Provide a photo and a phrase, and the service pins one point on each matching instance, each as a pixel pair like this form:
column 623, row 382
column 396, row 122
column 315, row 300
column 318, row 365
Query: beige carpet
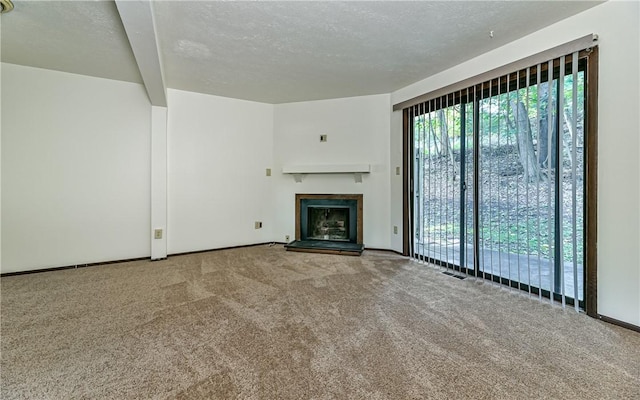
column 261, row 323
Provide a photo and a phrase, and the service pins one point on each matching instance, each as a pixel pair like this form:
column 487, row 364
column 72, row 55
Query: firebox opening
column 328, row 223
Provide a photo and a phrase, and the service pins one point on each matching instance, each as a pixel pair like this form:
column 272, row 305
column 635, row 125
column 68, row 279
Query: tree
column 571, row 129
column 546, row 141
column 525, row 143
column 445, row 145
column 444, row 133
column 435, row 139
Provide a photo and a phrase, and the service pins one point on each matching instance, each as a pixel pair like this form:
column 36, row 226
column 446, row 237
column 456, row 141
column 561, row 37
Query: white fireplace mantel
column 298, row 171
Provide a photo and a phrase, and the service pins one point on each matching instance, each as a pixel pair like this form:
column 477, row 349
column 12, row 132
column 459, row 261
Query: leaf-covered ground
column 516, row 216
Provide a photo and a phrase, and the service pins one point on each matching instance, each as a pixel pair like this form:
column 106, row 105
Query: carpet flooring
column 262, row 323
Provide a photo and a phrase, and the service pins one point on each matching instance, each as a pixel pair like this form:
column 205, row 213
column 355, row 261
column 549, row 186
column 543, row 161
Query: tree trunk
column 568, row 145
column 525, row 143
column 445, row 145
column 435, row 140
column 546, row 139
column 444, row 133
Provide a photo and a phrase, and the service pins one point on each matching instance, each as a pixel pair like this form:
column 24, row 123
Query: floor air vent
column 454, row 275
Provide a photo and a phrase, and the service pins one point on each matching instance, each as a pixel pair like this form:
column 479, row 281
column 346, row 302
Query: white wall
column 158, row 182
column 75, row 169
column 396, row 183
column 0, row 153
column 357, row 132
column 617, row 24
column 218, row 152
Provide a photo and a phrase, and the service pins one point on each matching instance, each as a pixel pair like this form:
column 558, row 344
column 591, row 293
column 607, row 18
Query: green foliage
column 525, row 235
column 496, row 114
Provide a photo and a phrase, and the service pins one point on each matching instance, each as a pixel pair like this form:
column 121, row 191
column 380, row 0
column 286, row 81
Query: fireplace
column 328, row 223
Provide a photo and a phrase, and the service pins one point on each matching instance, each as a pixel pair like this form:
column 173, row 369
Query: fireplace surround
column 328, row 223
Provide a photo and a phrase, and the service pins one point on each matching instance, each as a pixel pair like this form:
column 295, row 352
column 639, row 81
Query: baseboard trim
column 223, row 248
column 388, row 250
column 95, row 264
column 622, row 324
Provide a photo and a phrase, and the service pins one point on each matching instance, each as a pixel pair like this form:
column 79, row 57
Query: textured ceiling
column 73, row 36
column 277, row 52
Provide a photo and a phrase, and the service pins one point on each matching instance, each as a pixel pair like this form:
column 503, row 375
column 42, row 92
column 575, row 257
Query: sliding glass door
column 443, row 167
column 498, row 180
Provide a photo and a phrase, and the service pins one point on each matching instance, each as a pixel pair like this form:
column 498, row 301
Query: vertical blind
column 496, row 182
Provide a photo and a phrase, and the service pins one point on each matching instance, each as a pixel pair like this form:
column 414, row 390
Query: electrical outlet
column 395, row 230
column 258, row 224
column 286, row 238
column 268, row 171
column 323, row 138
column 157, row 233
